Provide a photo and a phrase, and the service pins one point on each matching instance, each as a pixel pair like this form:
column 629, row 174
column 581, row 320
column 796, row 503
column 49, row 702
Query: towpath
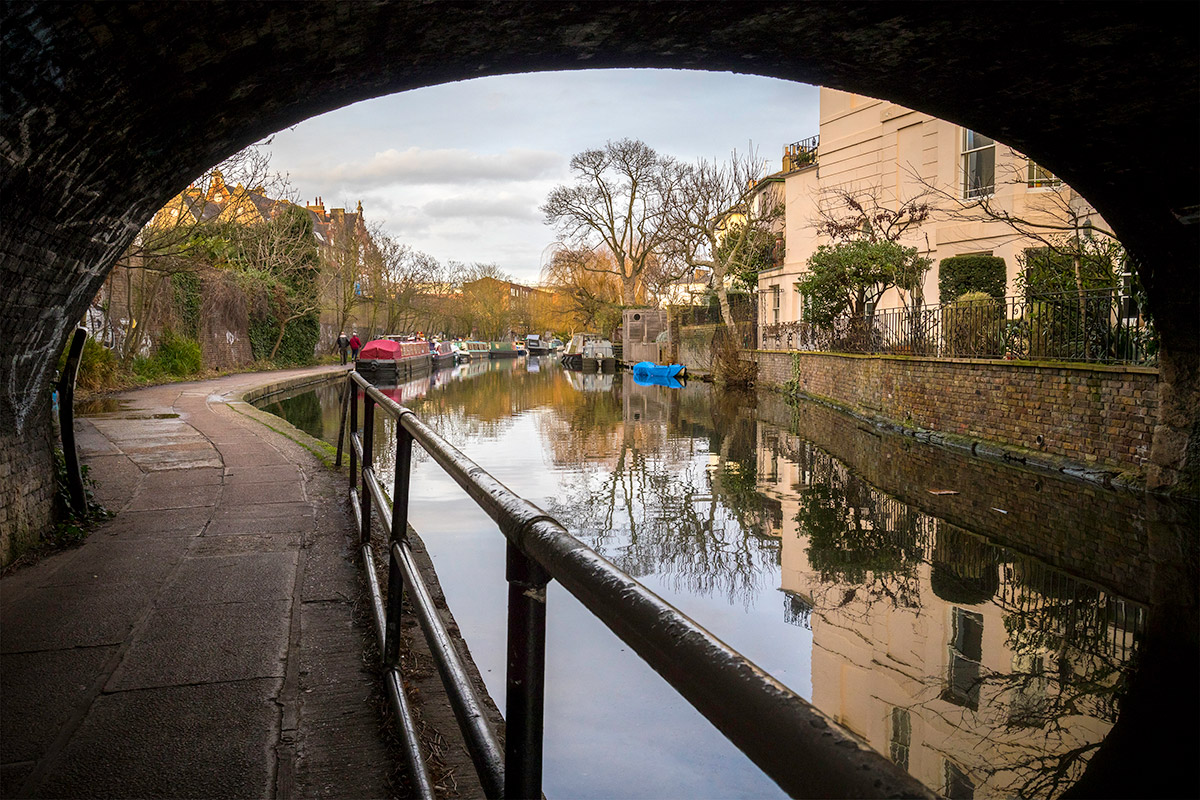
column 201, row 643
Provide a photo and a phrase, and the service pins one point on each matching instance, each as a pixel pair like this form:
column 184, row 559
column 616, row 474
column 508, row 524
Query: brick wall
column 27, row 484
column 1097, row 416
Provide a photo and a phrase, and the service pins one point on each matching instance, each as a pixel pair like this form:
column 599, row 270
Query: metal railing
column 801, row 154
column 1095, row 326
column 795, row 744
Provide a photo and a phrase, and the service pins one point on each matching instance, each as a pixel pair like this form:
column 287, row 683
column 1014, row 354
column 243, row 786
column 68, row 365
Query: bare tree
column 616, row 202
column 720, row 216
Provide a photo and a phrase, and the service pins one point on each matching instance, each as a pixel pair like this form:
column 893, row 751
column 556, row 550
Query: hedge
column 959, row 275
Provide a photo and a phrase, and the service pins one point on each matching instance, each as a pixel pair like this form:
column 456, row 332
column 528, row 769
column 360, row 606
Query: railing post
column 526, row 677
column 346, row 390
column 399, row 533
column 66, row 417
column 353, row 400
column 368, row 458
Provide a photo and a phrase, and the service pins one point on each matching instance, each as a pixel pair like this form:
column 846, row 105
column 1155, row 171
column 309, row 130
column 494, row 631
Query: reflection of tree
column 865, row 540
column 659, row 497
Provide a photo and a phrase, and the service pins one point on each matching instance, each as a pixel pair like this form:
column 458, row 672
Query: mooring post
column 399, row 534
column 526, row 678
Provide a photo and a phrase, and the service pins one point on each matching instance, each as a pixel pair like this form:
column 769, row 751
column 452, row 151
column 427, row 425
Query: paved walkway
column 201, row 643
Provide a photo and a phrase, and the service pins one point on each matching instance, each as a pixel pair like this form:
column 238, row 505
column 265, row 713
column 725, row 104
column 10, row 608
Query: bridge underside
column 108, row 110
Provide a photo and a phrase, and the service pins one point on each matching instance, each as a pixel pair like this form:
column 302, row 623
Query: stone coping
column 996, row 362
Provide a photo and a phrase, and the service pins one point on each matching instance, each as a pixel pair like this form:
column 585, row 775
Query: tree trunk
column 723, row 300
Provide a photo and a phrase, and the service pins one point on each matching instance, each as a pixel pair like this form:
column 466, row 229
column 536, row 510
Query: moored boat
column 387, row 358
column 443, row 354
column 477, row 350
column 503, row 350
column 536, row 346
column 650, row 369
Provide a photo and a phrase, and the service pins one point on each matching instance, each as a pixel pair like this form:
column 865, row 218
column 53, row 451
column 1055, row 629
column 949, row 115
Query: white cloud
column 473, row 206
column 419, row 166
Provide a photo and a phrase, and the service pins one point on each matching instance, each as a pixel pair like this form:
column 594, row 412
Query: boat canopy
column 380, row 349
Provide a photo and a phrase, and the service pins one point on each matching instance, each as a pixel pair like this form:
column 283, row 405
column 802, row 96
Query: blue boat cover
column 660, row 370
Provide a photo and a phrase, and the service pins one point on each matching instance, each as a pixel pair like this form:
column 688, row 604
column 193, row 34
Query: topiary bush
column 959, row 275
column 973, row 325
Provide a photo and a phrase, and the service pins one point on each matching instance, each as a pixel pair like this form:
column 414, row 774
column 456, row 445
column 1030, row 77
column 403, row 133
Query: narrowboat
column 443, row 354
column 477, row 350
column 572, row 357
column 380, row 358
column 503, row 350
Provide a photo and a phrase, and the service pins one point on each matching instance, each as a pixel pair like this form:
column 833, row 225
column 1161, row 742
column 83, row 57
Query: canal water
column 975, row 623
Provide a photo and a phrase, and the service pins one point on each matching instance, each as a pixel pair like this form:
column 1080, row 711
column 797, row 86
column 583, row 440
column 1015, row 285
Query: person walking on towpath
column 343, row 342
column 355, row 345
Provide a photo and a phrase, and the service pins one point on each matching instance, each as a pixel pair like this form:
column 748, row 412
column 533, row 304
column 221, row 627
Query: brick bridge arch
column 110, row 109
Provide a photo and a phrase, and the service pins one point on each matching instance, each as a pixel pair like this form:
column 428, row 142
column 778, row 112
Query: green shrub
column 299, row 339
column 178, row 355
column 97, row 367
column 959, row 275
column 973, row 325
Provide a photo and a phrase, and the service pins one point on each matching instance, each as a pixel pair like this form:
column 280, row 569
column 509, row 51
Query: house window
column 1038, row 177
column 965, row 655
column 958, row 785
column 978, row 164
column 901, row 737
column 775, row 303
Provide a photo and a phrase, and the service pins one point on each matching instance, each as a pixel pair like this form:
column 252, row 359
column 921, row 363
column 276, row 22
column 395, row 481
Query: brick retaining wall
column 1094, row 415
column 27, row 484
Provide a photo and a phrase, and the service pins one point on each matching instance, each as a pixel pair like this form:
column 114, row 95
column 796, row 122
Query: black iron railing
column 801, row 154
column 1096, row 326
column 804, row 751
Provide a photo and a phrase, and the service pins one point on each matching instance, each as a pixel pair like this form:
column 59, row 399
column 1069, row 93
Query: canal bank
column 208, row 639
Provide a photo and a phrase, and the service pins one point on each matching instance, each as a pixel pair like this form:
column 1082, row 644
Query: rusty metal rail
column 800, row 748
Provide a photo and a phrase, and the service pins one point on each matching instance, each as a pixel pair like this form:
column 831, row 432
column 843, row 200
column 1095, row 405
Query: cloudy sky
column 459, row 171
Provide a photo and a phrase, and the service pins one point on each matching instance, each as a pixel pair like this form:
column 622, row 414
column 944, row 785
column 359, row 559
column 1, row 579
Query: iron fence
column 805, row 752
column 1096, row 326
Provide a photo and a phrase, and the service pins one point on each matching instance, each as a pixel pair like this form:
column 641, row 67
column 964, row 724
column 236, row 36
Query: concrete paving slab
column 235, row 544
column 121, row 479
column 244, row 578
column 173, row 522
column 257, row 457
column 339, row 699
column 175, row 494
column 166, row 480
column 236, row 476
column 40, row 692
column 90, row 442
column 262, row 511
column 332, row 564
column 52, row 618
column 206, row 644
column 209, row 741
column 103, row 560
column 247, row 494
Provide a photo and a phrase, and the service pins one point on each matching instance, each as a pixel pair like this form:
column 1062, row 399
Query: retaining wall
column 1093, row 415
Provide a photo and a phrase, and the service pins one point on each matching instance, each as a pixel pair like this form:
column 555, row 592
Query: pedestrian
column 343, row 342
column 355, row 345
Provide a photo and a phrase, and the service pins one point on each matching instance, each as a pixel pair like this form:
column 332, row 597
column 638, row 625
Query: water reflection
column 988, row 666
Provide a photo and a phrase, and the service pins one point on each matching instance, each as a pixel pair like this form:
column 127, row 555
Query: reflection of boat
column 443, row 354
column 650, row 379
column 590, row 381
column 503, row 350
column 536, row 346
column 650, row 369
column 389, row 358
column 404, row 393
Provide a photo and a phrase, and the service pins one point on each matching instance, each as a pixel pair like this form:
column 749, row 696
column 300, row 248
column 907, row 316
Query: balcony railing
column 800, row 154
column 1096, row 326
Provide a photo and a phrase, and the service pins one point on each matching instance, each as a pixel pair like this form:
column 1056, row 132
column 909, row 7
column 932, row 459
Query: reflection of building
column 977, row 669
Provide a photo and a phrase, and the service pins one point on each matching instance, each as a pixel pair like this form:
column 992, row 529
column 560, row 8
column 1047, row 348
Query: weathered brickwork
column 1075, row 526
column 27, row 483
column 1092, row 415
